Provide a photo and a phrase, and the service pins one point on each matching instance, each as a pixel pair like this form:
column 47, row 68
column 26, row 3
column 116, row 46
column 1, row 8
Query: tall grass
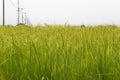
column 59, row 53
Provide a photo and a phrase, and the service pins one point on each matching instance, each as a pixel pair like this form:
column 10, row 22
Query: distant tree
column 83, row 25
column 9, row 25
column 21, row 24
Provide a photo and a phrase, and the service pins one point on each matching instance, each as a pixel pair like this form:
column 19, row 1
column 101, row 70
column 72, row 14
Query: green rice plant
column 57, row 52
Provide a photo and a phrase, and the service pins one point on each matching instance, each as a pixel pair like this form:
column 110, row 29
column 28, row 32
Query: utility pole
column 18, row 13
column 3, row 12
column 25, row 18
column 22, row 15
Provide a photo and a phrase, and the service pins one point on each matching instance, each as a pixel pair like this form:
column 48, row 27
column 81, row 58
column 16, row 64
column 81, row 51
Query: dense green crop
column 60, row 53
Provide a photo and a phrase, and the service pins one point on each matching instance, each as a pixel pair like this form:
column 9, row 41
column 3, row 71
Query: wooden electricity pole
column 18, row 13
column 22, row 15
column 3, row 12
column 25, row 17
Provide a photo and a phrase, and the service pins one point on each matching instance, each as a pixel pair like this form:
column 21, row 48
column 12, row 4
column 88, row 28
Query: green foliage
column 60, row 53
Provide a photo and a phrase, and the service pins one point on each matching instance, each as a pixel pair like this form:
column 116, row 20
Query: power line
column 20, row 11
column 12, row 3
column 3, row 12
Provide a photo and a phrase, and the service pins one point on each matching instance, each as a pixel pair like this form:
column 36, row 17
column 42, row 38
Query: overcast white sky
column 76, row 12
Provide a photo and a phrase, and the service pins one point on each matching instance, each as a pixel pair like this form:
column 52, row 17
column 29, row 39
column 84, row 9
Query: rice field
column 60, row 53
